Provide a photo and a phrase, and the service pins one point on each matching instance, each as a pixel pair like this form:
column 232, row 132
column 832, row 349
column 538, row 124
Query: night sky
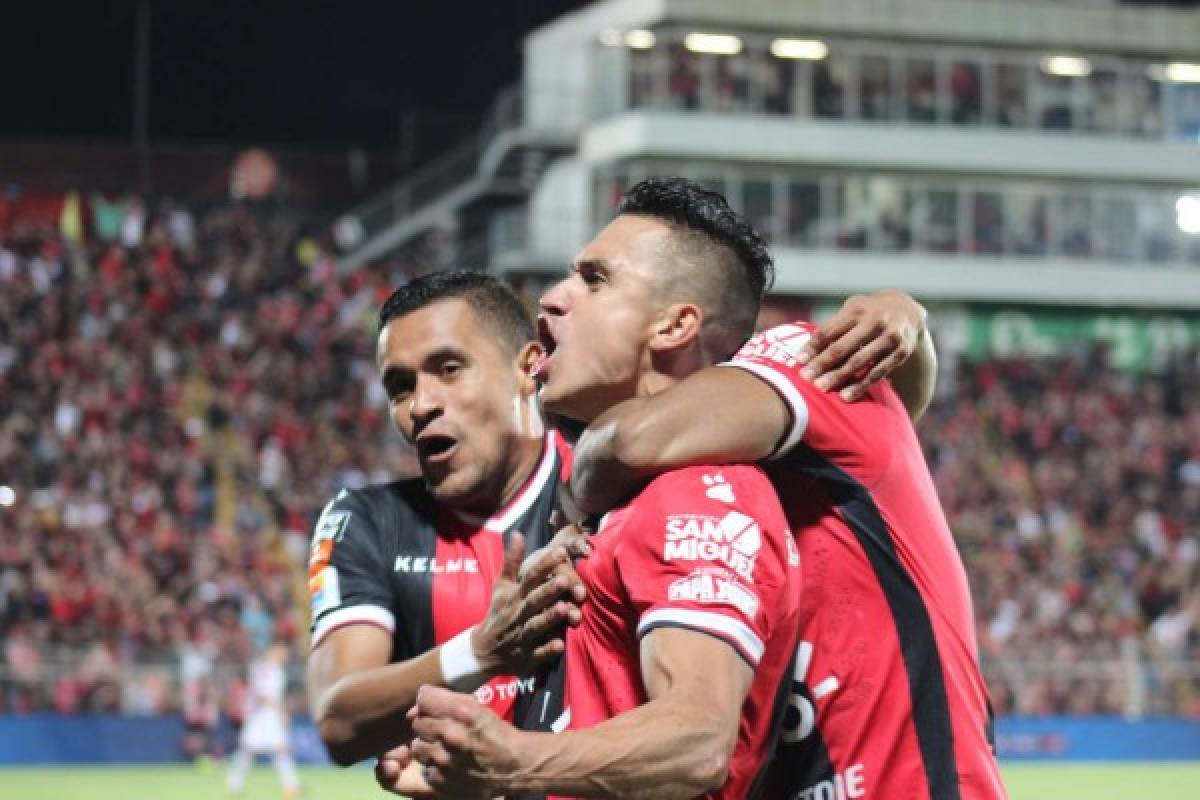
column 323, row 74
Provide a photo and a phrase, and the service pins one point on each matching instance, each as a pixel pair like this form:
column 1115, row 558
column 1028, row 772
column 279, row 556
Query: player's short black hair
column 703, row 211
column 719, row 242
column 489, row 297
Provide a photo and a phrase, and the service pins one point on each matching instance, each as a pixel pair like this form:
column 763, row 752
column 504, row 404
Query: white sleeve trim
column 710, row 622
column 791, row 396
column 371, row 615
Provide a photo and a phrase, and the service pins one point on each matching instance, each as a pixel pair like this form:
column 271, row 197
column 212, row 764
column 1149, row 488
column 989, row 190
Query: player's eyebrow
column 446, row 353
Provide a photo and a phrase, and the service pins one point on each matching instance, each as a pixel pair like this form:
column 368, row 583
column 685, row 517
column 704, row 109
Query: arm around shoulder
column 715, row 416
column 916, row 379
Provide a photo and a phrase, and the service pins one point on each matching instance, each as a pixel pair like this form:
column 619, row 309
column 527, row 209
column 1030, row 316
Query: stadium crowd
column 181, row 391
column 1074, row 492
column 179, row 394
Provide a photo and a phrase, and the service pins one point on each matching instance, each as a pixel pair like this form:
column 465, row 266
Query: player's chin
column 455, row 488
column 561, row 403
column 552, row 396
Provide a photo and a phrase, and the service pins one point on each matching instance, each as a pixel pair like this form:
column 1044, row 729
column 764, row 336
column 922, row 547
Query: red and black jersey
column 703, row 548
column 391, row 556
column 888, row 700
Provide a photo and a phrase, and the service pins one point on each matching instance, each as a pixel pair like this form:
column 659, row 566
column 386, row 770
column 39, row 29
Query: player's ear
column 527, row 360
column 677, row 327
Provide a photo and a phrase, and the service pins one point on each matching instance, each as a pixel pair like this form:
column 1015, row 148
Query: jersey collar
column 506, row 517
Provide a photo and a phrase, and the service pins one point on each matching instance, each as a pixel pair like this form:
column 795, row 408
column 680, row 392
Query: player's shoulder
column 729, row 485
column 785, row 339
column 382, row 505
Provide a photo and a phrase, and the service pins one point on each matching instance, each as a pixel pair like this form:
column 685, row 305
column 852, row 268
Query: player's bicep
column 691, row 557
column 349, row 577
column 344, row 651
column 713, row 416
column 841, row 431
column 688, row 662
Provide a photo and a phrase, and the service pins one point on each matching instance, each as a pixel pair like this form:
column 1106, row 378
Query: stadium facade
column 974, row 152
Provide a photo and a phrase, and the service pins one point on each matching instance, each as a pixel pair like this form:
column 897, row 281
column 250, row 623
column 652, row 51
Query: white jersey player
column 266, row 723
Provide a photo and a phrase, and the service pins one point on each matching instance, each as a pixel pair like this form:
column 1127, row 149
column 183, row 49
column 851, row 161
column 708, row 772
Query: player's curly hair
column 490, row 298
column 723, row 263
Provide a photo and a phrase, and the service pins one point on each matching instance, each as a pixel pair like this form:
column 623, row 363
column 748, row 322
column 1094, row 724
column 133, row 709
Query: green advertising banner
column 1136, row 340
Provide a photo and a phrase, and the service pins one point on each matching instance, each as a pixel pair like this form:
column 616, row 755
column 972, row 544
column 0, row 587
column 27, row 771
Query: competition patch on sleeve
column 329, row 529
column 324, row 592
column 331, row 525
column 780, row 344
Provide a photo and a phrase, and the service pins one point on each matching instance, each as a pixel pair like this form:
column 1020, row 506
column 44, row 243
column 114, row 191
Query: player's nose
column 555, row 300
column 426, row 403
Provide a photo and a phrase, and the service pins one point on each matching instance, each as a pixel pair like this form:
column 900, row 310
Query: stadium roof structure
column 992, row 150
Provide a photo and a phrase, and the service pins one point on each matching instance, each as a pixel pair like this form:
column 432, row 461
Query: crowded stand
column 1074, row 493
column 180, row 394
column 181, row 390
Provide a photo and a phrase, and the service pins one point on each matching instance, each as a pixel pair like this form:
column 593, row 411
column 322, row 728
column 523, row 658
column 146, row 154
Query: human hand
column 396, row 771
column 464, row 749
column 864, row 342
column 525, row 623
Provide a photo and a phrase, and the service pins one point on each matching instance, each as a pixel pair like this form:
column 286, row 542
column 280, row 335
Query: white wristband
column 461, row 670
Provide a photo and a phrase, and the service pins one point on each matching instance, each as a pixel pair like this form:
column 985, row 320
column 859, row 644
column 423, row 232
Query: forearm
column 363, row 713
column 715, row 416
column 916, row 378
column 669, row 748
column 600, row 480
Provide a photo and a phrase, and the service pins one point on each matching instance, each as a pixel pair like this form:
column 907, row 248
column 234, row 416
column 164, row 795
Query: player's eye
column 451, row 369
column 592, row 277
column 398, row 389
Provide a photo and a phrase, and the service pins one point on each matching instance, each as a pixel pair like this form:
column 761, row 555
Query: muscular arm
column 721, row 415
column 358, row 699
column 677, row 745
column 714, row 416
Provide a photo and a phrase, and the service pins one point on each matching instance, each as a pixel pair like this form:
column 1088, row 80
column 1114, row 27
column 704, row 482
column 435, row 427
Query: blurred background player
column 201, row 701
column 265, row 731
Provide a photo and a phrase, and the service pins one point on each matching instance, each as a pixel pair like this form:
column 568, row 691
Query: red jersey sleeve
column 849, row 434
column 708, row 549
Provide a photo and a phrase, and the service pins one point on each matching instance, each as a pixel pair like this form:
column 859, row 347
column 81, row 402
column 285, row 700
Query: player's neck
column 526, row 456
column 664, row 369
column 652, row 383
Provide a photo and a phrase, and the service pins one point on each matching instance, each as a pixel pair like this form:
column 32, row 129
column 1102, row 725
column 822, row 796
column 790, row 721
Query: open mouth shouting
column 541, row 368
column 435, row 448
